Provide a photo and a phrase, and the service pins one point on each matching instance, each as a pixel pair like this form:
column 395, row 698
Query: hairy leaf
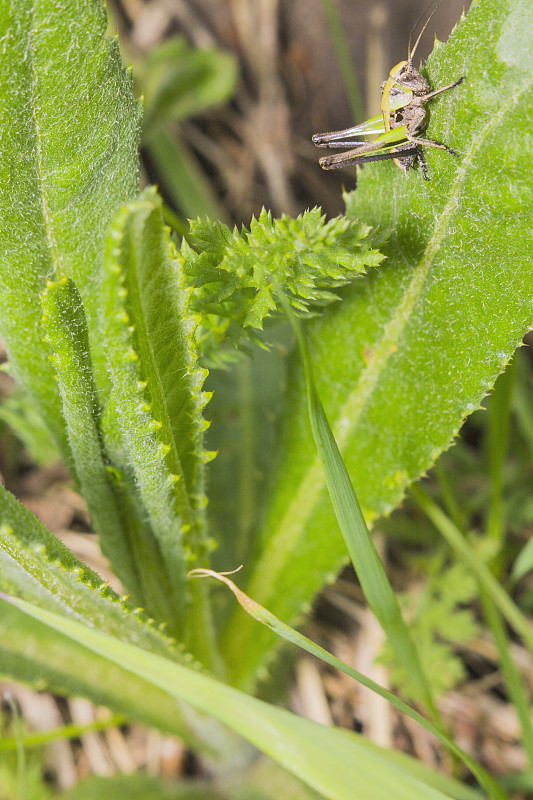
column 115, row 507
column 66, row 333
column 37, row 566
column 68, row 126
column 415, row 345
column 153, row 424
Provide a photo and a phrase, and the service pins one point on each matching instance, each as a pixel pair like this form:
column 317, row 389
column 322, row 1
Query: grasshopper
column 403, row 118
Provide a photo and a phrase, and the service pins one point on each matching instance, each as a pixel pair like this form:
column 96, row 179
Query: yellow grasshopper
column 403, row 118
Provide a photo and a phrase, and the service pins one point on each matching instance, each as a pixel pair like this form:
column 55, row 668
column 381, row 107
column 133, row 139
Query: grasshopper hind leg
column 410, row 159
column 421, row 158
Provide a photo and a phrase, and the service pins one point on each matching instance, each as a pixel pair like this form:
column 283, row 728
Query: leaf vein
column 46, row 211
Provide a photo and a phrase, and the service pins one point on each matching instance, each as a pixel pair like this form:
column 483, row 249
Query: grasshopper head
column 410, row 78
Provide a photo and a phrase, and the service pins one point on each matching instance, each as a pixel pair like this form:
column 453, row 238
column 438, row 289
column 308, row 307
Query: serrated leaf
column 37, row 566
column 67, row 335
column 68, row 126
column 154, row 423
column 415, row 345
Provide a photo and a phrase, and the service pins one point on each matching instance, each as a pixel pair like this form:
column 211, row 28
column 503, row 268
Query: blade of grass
column 344, row 58
column 522, row 397
column 264, row 616
column 19, row 745
column 180, row 176
column 64, row 732
column 499, row 416
column 498, row 443
column 363, row 554
column 521, row 405
column 498, row 439
column 468, row 555
column 513, row 680
column 179, row 225
column 448, row 498
column 330, row 760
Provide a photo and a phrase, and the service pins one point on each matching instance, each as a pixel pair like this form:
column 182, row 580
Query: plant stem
column 513, row 681
column 498, row 438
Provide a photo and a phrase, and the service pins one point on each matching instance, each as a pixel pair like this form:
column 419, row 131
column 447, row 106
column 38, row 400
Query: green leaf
column 365, row 559
column 330, row 760
column 181, row 177
column 415, row 345
column 178, row 81
column 438, row 621
column 153, row 425
column 37, row 566
column 266, row 780
column 468, row 555
column 247, row 400
column 68, row 126
column 36, row 740
column 66, row 332
column 264, row 616
column 140, row 787
column 34, row 654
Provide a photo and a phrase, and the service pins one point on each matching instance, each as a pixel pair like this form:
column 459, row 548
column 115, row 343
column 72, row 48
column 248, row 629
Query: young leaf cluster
column 234, row 274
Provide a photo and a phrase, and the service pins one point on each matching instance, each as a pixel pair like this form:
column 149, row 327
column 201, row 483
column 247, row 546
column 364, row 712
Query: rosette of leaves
column 235, row 274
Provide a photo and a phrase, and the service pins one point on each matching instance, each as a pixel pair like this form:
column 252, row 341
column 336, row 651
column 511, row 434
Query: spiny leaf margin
column 233, row 272
column 37, row 565
column 153, row 424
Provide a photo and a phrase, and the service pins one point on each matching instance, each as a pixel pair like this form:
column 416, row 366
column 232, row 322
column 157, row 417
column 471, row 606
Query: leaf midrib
column 285, row 536
column 46, row 211
column 180, row 488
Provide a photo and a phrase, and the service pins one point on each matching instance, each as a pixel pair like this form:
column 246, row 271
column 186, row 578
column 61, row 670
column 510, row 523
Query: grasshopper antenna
column 410, row 53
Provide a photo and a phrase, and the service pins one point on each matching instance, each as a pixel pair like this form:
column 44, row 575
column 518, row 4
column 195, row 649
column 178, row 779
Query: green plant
column 106, row 326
